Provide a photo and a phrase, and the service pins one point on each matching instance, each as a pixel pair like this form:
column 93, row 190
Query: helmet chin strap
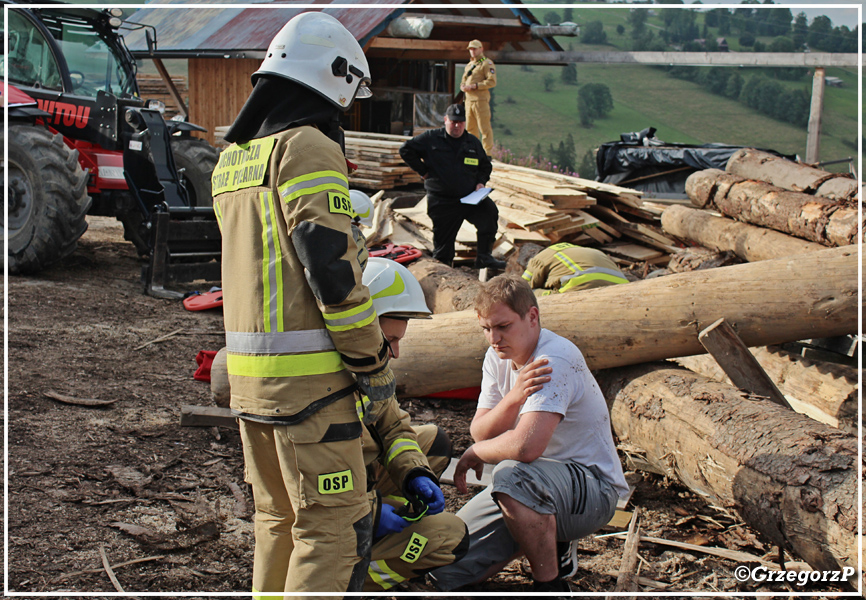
column 336, row 133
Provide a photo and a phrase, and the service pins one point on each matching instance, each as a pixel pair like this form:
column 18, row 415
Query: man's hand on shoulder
column 530, row 380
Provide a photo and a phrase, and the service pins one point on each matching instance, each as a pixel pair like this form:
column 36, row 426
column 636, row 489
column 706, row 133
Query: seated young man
column 542, row 420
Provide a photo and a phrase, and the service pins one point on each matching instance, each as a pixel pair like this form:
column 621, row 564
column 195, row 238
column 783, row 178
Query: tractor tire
column 195, row 160
column 47, row 197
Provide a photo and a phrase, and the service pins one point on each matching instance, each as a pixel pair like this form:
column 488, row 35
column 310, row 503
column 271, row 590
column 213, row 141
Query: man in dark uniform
column 453, row 164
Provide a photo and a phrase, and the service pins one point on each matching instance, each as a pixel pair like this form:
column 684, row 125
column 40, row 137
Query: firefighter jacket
column 482, row 72
column 297, row 317
column 392, row 442
column 566, row 267
column 454, row 166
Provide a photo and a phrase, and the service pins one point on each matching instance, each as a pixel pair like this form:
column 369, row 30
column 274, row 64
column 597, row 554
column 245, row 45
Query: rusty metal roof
column 247, row 32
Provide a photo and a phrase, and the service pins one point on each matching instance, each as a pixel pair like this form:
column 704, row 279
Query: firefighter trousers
column 434, row 541
column 313, row 527
column 478, row 122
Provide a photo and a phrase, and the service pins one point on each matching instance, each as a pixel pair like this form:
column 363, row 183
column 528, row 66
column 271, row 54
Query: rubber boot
column 483, row 257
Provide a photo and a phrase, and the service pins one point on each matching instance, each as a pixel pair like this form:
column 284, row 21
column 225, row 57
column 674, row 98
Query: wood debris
column 108, row 570
column 627, row 578
column 92, row 402
column 179, row 540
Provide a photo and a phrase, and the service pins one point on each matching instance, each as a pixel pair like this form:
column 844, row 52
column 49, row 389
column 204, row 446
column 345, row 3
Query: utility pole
column 813, row 140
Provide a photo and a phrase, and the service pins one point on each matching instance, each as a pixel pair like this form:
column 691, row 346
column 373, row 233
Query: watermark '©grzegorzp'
column 761, row 574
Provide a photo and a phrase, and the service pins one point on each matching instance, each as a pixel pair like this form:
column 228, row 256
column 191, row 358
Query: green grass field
column 644, row 96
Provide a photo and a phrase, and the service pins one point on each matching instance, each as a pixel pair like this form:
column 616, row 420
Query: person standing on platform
column 478, row 79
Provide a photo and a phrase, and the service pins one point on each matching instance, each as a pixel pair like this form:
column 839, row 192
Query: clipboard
column 476, row 196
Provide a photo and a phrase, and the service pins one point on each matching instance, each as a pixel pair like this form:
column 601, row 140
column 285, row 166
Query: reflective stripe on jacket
column 566, row 267
column 287, row 352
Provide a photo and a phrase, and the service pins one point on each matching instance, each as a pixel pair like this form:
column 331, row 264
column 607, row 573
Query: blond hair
column 510, row 290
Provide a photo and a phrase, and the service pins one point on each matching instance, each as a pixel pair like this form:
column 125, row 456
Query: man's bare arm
column 525, row 443
column 491, row 422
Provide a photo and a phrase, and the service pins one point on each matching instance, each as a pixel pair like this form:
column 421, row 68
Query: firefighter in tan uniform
column 479, row 78
column 301, row 332
column 410, row 548
column 565, row 267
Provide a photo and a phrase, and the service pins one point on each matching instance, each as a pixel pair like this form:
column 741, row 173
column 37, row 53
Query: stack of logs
column 791, row 475
column 763, row 206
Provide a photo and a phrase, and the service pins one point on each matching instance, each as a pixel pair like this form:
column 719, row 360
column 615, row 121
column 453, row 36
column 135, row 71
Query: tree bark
column 817, row 219
column 445, row 289
column 749, row 242
column 796, row 177
column 791, row 478
column 825, row 391
column 771, row 302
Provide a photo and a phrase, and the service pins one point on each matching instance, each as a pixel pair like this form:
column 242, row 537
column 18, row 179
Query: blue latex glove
column 429, row 492
column 390, row 521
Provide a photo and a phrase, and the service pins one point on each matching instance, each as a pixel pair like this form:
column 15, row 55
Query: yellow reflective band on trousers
column 587, row 275
column 353, row 318
column 581, row 279
column 284, row 365
column 399, row 446
column 313, row 183
column 383, row 575
column 257, row 595
column 272, row 273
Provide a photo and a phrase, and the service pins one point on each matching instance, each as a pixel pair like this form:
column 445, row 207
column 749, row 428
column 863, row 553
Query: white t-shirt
column 584, row 433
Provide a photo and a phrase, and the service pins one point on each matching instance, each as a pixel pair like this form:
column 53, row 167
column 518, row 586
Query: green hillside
column 526, row 115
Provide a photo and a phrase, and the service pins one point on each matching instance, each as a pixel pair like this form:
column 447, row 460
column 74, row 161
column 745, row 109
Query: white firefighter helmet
column 363, row 207
column 317, row 51
column 395, row 291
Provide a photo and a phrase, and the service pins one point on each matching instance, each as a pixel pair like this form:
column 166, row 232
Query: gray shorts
column 582, row 501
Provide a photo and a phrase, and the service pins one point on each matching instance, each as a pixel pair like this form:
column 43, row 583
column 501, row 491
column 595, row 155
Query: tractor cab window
column 93, row 67
column 30, row 61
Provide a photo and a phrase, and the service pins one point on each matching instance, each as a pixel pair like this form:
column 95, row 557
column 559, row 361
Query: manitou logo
column 69, row 114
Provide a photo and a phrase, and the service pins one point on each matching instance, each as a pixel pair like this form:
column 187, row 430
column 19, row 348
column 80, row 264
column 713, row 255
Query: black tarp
column 642, row 162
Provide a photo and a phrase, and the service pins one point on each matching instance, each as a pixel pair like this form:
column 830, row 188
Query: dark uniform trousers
column 448, row 215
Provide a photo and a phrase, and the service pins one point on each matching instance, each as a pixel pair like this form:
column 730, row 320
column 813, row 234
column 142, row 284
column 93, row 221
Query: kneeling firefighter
column 301, row 333
column 412, row 536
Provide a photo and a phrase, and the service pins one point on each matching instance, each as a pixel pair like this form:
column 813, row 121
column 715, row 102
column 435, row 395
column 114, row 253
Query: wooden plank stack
column 378, row 158
column 544, row 208
column 152, row 87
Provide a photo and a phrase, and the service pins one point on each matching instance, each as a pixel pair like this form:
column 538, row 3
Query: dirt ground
column 165, row 506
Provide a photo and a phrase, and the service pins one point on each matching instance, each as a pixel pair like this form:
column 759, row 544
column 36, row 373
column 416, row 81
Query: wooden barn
column 413, row 51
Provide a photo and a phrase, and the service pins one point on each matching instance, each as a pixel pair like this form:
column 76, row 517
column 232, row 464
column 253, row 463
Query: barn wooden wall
column 218, row 88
